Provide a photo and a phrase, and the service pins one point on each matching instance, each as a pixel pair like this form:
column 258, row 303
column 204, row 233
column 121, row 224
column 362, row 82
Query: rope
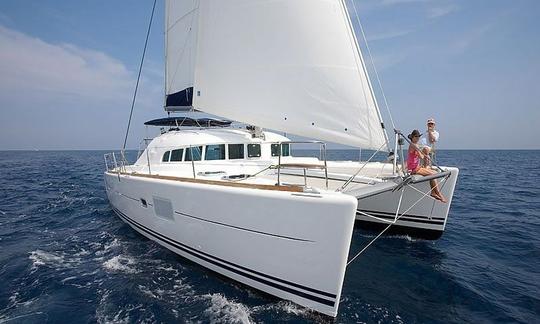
column 390, row 225
column 361, row 168
column 373, row 63
column 139, row 75
column 255, row 174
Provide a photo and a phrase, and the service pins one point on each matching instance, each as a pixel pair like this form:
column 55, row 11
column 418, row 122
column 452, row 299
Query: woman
column 413, row 164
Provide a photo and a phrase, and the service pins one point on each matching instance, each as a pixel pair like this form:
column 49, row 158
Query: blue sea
column 66, row 258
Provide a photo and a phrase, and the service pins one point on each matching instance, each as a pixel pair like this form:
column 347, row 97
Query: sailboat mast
column 364, row 69
column 165, row 44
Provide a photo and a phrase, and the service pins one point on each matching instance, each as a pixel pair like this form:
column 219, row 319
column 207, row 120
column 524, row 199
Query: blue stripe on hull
column 406, row 217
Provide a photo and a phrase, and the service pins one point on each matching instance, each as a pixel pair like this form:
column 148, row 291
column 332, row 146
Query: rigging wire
column 396, row 219
column 139, row 76
column 373, row 63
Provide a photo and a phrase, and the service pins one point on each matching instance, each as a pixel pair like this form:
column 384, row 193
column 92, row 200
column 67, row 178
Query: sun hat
column 431, row 120
column 413, row 134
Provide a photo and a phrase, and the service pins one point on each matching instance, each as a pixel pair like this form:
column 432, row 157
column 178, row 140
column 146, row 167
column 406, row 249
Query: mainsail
column 291, row 66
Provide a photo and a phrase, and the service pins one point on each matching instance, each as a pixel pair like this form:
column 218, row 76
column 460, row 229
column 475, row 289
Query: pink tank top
column 413, row 161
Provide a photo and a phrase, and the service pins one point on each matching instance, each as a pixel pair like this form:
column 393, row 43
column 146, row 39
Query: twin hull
column 419, row 214
column 292, row 245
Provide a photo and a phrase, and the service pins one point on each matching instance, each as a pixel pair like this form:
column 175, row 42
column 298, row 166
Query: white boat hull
column 292, row 245
column 419, row 215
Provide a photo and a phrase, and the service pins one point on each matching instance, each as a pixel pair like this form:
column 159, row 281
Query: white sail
column 181, row 25
column 292, row 66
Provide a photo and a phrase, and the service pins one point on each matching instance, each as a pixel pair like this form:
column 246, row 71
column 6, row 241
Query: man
column 431, row 136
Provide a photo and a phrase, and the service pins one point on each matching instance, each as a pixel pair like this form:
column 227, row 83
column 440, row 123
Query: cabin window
column 254, row 150
column 176, row 155
column 193, row 153
column 236, row 151
column 275, row 149
column 166, row 156
column 215, row 152
column 284, row 149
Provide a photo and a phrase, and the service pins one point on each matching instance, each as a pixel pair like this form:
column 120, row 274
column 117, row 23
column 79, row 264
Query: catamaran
column 237, row 200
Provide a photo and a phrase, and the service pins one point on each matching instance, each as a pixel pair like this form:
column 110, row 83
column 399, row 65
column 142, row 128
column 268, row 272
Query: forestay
column 291, row 66
column 181, row 22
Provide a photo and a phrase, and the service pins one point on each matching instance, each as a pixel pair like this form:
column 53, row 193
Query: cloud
column 30, row 65
column 389, row 34
column 437, row 12
column 388, row 59
column 399, row 2
column 77, row 97
column 470, row 38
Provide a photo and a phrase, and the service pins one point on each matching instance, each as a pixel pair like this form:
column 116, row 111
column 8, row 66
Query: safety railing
column 114, row 163
column 110, row 161
column 303, row 166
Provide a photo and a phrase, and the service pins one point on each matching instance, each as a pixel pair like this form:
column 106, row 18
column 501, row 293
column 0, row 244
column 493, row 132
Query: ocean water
column 65, row 257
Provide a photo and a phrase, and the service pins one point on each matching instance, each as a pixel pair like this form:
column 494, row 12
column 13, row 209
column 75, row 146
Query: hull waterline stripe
column 406, row 215
column 244, row 229
column 206, row 257
column 402, row 218
column 405, row 219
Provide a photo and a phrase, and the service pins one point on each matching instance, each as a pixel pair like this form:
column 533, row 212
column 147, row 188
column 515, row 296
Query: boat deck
column 298, row 175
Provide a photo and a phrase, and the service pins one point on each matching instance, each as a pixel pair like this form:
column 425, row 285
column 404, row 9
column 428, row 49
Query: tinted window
column 215, row 152
column 285, row 150
column 197, row 152
column 254, row 150
column 236, row 151
column 176, row 155
column 166, row 156
column 275, row 149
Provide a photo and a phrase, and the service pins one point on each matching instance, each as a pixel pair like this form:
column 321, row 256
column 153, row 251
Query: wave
column 43, row 258
column 121, row 263
column 109, row 312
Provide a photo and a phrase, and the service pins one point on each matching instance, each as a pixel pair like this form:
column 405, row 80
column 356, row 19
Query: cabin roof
column 188, row 122
column 186, row 137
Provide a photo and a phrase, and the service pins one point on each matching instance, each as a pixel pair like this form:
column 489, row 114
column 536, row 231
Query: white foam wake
column 41, row 258
column 223, row 310
column 121, row 263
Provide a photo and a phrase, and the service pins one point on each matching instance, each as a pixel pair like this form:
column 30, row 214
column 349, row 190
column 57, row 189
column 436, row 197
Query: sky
column 68, row 70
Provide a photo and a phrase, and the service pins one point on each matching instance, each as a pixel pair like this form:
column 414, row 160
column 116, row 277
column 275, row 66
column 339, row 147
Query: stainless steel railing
column 304, row 167
column 114, row 163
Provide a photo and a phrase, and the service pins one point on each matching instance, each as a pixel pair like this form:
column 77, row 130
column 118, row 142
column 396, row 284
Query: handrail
column 111, row 157
column 302, row 166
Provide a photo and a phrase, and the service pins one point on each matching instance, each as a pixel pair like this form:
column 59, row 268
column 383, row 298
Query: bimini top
column 188, row 122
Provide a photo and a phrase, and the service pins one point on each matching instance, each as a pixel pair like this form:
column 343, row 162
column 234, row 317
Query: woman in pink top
column 413, row 164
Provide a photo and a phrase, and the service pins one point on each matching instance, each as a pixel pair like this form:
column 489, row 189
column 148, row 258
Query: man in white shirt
column 428, row 140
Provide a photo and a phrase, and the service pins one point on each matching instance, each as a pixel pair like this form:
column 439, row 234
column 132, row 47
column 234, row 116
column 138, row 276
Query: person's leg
column 426, row 150
column 435, row 192
column 433, row 184
column 424, row 171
